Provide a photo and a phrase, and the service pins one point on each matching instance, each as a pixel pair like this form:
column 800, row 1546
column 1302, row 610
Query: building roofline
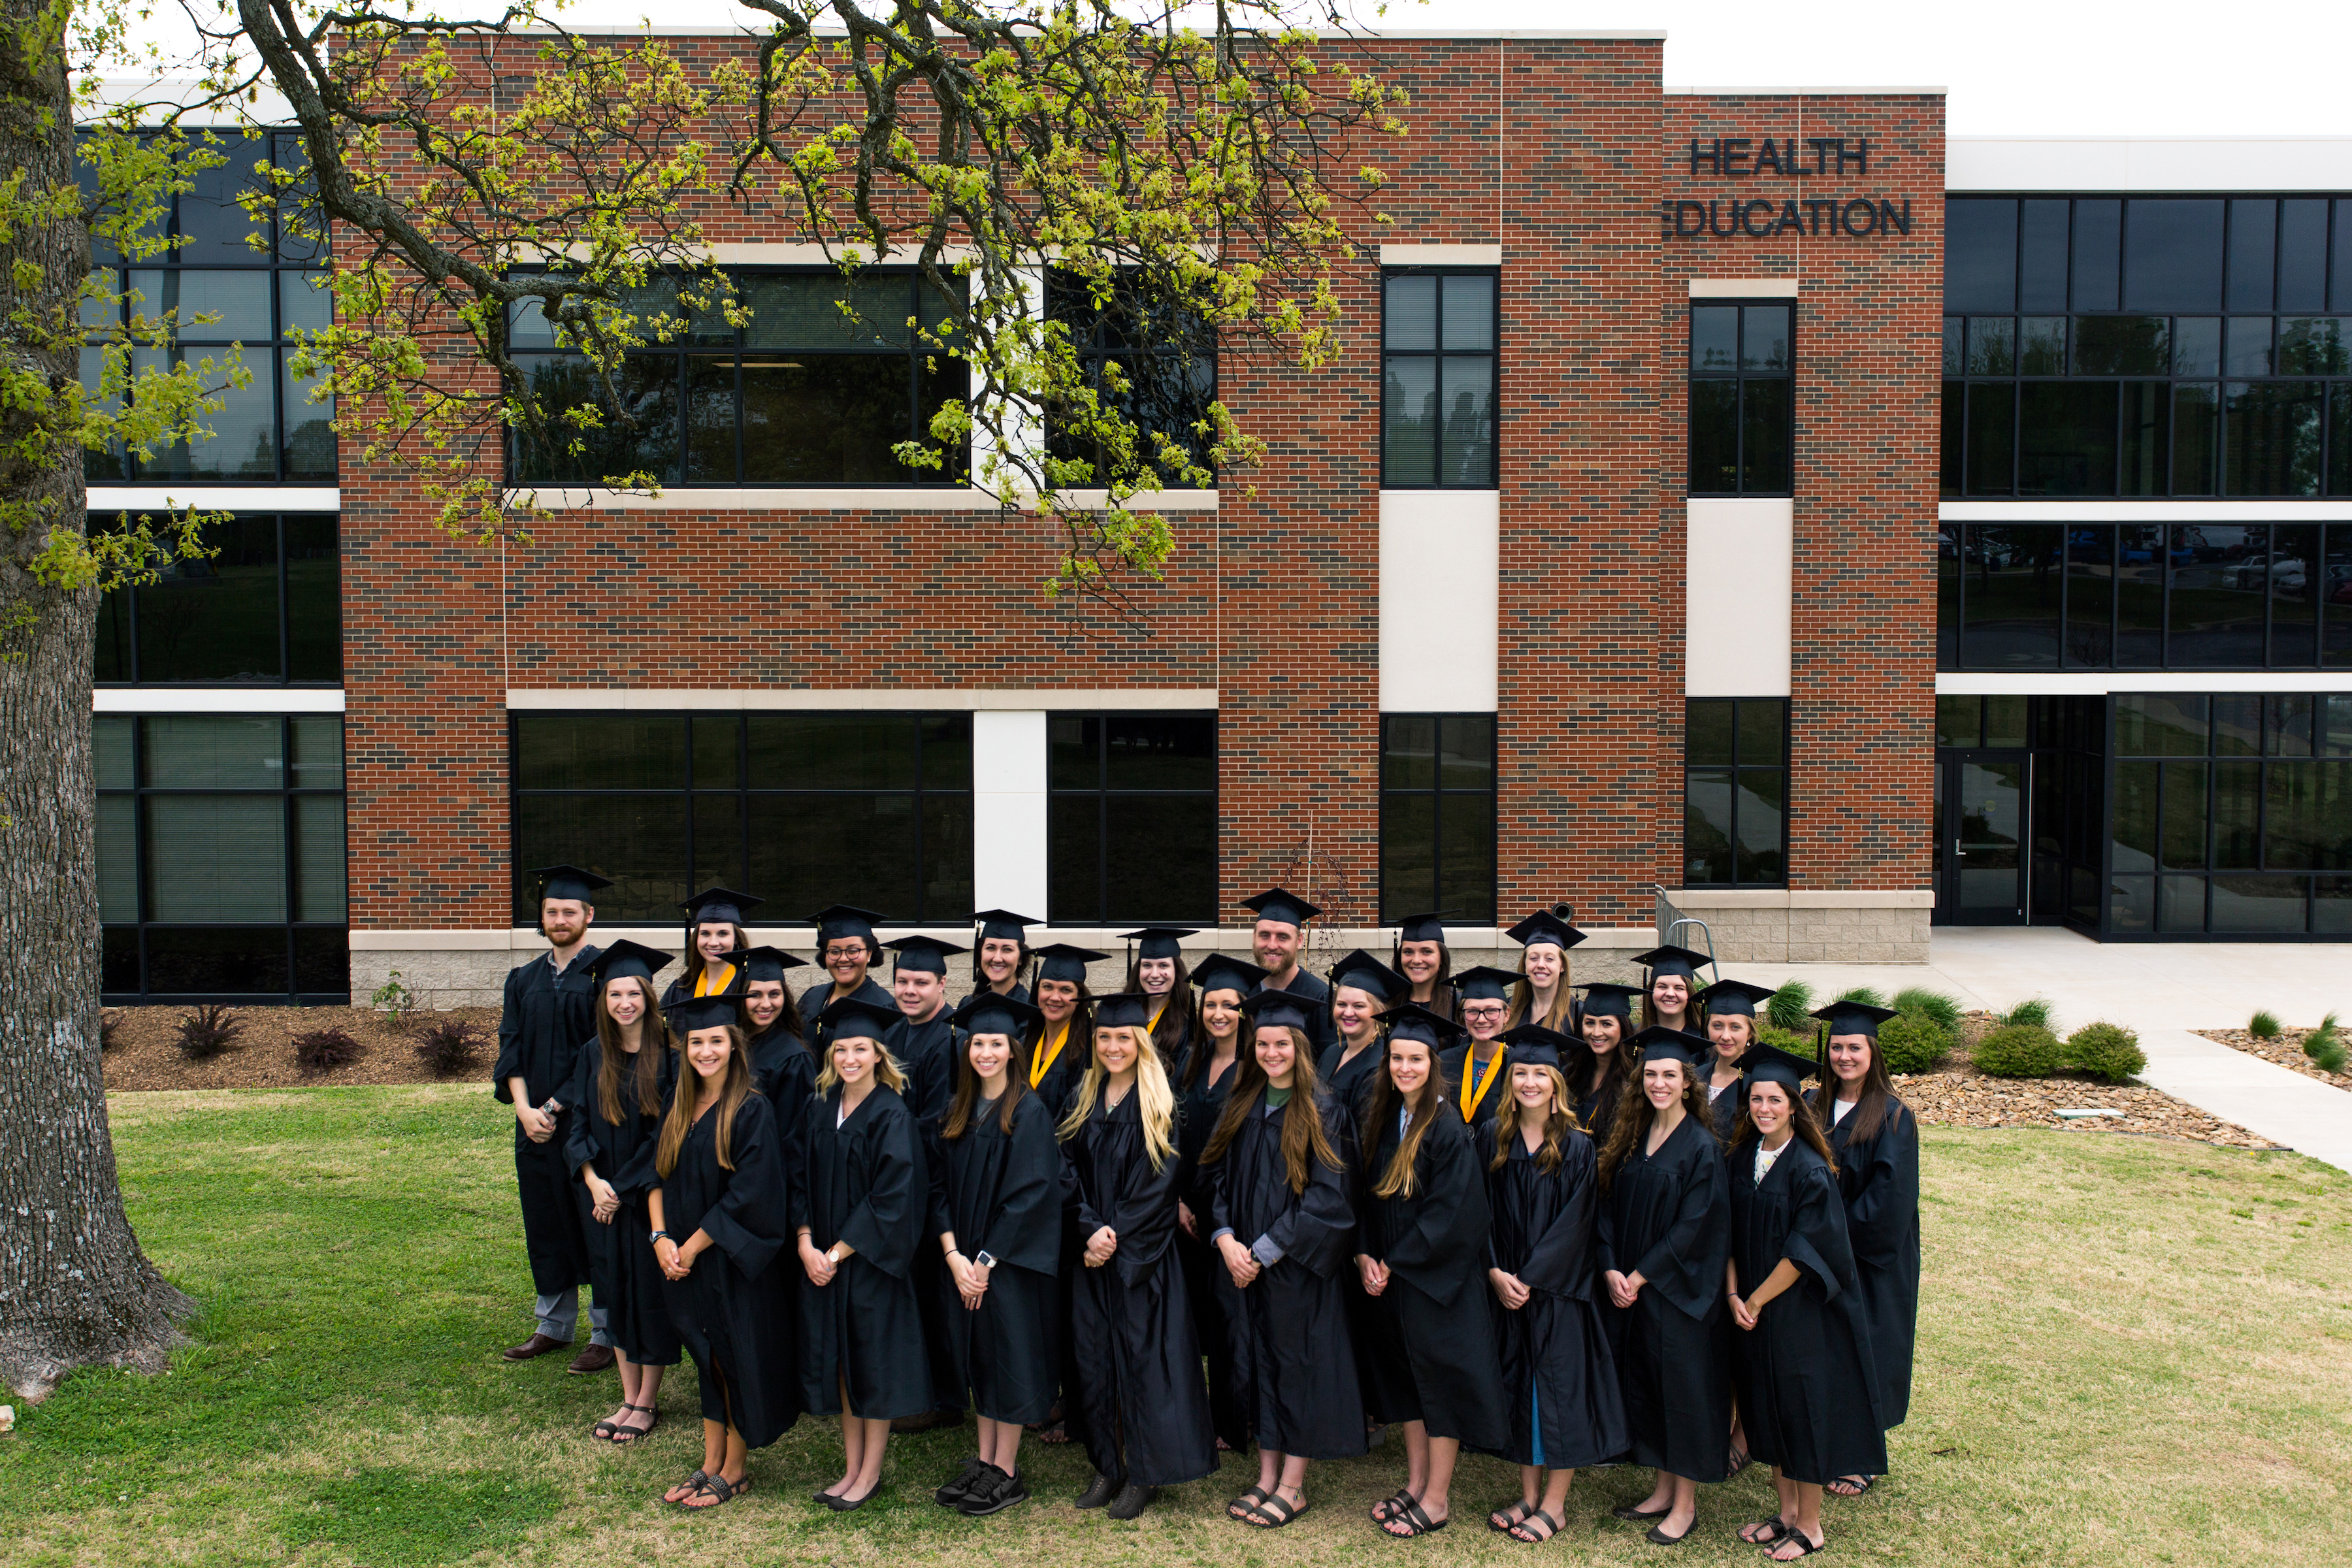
column 1676, row 89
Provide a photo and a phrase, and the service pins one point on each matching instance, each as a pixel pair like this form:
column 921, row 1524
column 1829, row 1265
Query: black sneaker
column 999, row 1492
column 1105, row 1488
column 952, row 1494
column 1132, row 1500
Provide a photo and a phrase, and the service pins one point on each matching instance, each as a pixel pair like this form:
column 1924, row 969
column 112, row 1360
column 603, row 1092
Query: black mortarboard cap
column 1277, row 1010
column 835, row 922
column 720, row 904
column 1533, row 1046
column 690, row 1012
column 986, row 1012
column 625, row 959
column 766, row 963
column 860, row 1017
column 1281, row 904
column 1735, row 998
column 1223, row 972
column 1607, row 999
column 1486, row 982
column 569, row 882
column 1428, row 926
column 1411, row 1020
column 1854, row 1017
column 1671, row 959
column 1003, row 925
column 1659, row 1044
column 1770, row 1064
column 923, row 955
column 1545, row 926
column 1158, row 941
column 1124, row 1010
column 1060, row 960
column 1365, row 973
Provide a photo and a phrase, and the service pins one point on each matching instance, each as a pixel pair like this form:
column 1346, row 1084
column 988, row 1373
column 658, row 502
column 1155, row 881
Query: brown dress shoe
column 537, row 1345
column 595, row 1358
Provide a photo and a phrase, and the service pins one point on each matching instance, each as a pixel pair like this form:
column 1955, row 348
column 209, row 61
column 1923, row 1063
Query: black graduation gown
column 1879, row 1181
column 1597, row 1109
column 926, row 1053
column 734, row 1309
column 1726, row 1108
column 1003, row 1196
column 783, row 1070
column 627, row 1279
column 682, row 988
column 1432, row 1358
column 867, row 1185
column 542, row 1018
column 1019, row 993
column 1557, row 1364
column 1808, row 1390
column 1449, row 1083
column 1316, row 991
column 1138, row 1353
column 1290, row 1358
column 1198, row 1107
column 1349, row 1085
column 813, row 1000
column 1668, row 1217
column 1061, row 1079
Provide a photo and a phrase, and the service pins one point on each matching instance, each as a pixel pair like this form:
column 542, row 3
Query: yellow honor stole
column 705, row 985
column 1042, row 1061
column 1493, row 1071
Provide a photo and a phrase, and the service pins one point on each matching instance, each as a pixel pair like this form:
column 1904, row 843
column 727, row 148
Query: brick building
column 1691, row 527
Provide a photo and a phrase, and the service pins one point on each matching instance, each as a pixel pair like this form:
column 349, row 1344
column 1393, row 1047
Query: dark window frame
column 1394, row 901
column 1436, row 353
column 1741, row 376
column 122, row 604
column 1101, row 793
column 1096, row 349
column 137, row 935
column 1735, row 768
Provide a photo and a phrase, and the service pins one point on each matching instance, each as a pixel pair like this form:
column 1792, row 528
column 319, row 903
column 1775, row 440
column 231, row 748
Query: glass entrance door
column 1981, row 838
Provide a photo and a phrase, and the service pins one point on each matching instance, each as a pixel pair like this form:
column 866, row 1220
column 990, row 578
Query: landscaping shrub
column 451, row 1047
column 2325, row 1046
column 2106, row 1051
column 205, row 1031
column 1945, row 1010
column 2021, row 1051
column 2035, row 1011
column 2263, row 1025
column 395, row 1001
column 323, row 1050
column 109, row 1027
column 1791, row 1007
column 1867, row 995
column 1914, row 1041
column 1796, row 1042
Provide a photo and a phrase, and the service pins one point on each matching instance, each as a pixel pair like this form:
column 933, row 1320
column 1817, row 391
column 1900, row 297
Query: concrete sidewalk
column 2163, row 990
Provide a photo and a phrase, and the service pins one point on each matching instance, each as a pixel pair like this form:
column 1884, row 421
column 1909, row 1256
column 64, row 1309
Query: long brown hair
column 1082, row 1026
column 1400, row 1180
column 1635, row 1113
column 789, row 1020
column 967, row 1090
column 1523, row 997
column 733, row 1085
column 653, row 1039
column 1873, row 1106
column 1802, row 1122
column 1196, row 1061
column 1442, row 998
column 694, row 960
column 1303, row 1137
column 1171, row 1035
column 1606, row 1079
column 1558, row 1124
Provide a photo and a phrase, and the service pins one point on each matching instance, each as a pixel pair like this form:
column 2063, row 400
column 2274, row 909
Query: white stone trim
column 1743, row 287
column 876, row 498
column 215, row 699
column 1441, row 603
column 1673, row 90
column 1220, row 938
column 1008, row 809
column 214, row 497
column 1739, row 590
column 1409, row 255
column 2100, row 682
column 1692, row 898
column 1109, row 700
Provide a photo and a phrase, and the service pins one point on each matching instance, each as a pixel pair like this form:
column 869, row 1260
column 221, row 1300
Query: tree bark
column 75, row 1289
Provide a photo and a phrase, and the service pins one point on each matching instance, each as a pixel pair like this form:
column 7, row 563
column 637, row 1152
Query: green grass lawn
column 2130, row 1350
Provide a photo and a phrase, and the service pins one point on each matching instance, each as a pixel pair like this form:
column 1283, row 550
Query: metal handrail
column 1669, row 919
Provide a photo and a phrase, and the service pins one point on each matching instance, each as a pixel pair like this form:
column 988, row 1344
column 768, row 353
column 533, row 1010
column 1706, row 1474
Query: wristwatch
column 659, row 1236
column 985, row 1261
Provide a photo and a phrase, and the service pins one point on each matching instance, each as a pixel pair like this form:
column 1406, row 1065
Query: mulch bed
column 2286, row 1049
column 146, row 1052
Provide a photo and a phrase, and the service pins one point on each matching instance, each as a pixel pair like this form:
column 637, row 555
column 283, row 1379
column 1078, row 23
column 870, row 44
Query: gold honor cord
column 1043, row 1062
column 1493, row 1069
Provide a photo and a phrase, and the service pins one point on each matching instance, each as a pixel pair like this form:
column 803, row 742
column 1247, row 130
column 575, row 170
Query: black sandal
column 1517, row 1512
column 1246, row 1503
column 1263, row 1516
column 1857, row 1485
column 692, row 1484
column 1775, row 1531
column 1395, row 1503
column 1416, row 1523
column 1805, row 1547
column 603, row 1431
column 719, row 1489
column 1551, row 1527
column 624, row 1435
column 1739, row 1459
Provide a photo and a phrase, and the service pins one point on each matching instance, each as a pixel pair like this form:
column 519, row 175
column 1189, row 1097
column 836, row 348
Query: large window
column 1742, row 399
column 265, row 608
column 1735, row 792
column 259, row 281
column 2232, row 816
column 1153, row 363
column 220, row 855
column 2180, row 595
column 1437, row 816
column 1132, row 818
column 2147, row 346
column 1438, row 379
column 807, row 393
column 803, row 809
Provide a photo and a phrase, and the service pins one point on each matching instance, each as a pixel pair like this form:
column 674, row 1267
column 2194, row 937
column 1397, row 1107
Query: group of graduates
column 1470, row 1206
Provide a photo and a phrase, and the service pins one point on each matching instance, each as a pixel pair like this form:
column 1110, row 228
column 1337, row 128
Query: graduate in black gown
column 719, row 1196
column 1000, row 951
column 1543, row 1189
column 997, row 1216
column 1876, row 1139
column 1202, row 1081
column 1546, row 992
column 1422, row 956
column 1802, row 1351
column 1429, row 1357
column 1670, row 988
column 923, row 1043
column 1601, row 1075
column 1139, row 1356
column 862, row 1222
column 1470, row 1075
column 1362, row 988
column 617, row 1095
column 714, row 934
column 548, row 1009
column 1664, row 1228
column 1283, row 1229
column 1156, row 968
column 1056, row 1061
column 1278, row 941
column 1729, row 1008
column 781, row 1067
column 846, row 949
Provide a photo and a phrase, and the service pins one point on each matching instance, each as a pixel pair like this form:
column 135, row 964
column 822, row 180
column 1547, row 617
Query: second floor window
column 1438, row 386
column 264, row 608
column 1742, row 399
column 1152, row 363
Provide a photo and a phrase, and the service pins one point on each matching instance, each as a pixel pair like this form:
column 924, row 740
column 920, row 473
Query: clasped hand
column 1100, row 1247
column 1240, row 1261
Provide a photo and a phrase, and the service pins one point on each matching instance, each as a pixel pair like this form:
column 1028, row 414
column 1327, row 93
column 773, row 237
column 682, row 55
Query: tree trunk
column 75, row 1289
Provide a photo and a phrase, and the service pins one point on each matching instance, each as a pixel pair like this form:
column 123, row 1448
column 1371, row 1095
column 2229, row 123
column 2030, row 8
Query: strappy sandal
column 624, row 1435
column 1395, row 1503
column 1247, row 1503
column 1265, row 1517
column 603, row 1431
column 1551, row 1527
column 1516, row 1513
column 1855, row 1485
column 692, row 1484
column 1805, row 1547
column 1416, row 1522
column 719, row 1489
column 1739, row 1459
column 1768, row 1532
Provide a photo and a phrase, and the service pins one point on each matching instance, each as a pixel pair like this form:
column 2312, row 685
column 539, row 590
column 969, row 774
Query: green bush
column 1945, row 1010
column 2035, row 1011
column 2325, row 1046
column 1791, row 1007
column 1796, row 1042
column 2106, row 1051
column 2263, row 1025
column 1914, row 1041
column 1867, row 995
column 2021, row 1051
